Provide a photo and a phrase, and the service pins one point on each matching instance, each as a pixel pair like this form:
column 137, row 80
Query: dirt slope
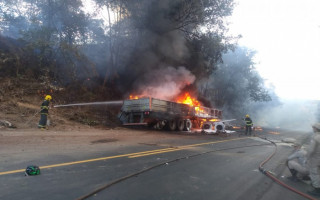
column 20, row 101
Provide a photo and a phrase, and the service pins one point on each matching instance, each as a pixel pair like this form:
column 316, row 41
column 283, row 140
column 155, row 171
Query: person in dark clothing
column 44, row 112
column 248, row 124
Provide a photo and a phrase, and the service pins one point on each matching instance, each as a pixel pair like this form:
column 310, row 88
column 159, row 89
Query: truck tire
column 180, row 124
column 160, row 125
column 219, row 127
column 187, row 125
column 172, row 125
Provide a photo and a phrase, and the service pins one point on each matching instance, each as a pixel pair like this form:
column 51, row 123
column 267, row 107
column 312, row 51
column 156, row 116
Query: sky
column 286, row 36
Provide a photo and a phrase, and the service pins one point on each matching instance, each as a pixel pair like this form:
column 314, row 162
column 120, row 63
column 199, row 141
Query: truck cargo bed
column 151, row 110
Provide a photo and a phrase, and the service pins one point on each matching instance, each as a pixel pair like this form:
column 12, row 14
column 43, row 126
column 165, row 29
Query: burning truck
column 182, row 115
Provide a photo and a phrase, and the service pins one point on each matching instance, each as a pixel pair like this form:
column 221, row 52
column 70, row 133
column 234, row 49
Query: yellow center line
column 166, row 151
column 180, row 148
column 130, row 155
column 274, row 133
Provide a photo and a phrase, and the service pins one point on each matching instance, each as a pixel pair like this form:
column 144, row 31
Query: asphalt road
column 184, row 167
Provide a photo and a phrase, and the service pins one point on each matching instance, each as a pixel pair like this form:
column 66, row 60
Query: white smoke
column 164, row 83
column 292, row 115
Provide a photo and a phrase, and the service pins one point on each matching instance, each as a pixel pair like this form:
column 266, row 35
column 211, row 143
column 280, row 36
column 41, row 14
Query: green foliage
column 56, row 42
column 11, row 57
column 207, row 54
column 257, row 91
column 64, row 44
column 236, row 84
column 156, row 34
column 52, row 33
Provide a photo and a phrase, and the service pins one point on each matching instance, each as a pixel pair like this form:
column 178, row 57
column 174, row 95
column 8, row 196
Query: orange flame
column 236, row 127
column 187, row 99
column 133, row 96
column 184, row 98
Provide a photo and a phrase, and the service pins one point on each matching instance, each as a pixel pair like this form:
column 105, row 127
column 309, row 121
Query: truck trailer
column 161, row 114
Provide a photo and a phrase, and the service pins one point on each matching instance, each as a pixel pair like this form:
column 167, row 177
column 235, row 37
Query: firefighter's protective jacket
column 45, row 107
column 298, row 162
column 248, row 121
column 313, row 156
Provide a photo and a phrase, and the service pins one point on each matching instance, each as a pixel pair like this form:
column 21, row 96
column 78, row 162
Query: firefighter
column 297, row 164
column 313, row 156
column 44, row 112
column 248, row 124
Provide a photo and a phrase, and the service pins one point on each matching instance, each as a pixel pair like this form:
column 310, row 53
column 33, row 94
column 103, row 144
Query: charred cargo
column 161, row 113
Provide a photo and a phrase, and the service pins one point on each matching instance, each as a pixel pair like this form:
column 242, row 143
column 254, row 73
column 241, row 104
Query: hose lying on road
column 261, row 169
column 155, row 166
column 267, row 173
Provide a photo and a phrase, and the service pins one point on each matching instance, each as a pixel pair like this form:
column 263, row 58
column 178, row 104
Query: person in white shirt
column 297, row 164
column 313, row 156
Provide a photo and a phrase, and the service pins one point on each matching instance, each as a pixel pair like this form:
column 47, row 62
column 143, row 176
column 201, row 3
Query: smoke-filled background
column 109, row 49
column 164, row 83
column 292, row 114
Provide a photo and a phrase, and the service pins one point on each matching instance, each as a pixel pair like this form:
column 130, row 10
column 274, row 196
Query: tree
column 236, row 84
column 134, row 38
column 53, row 32
column 166, row 33
column 11, row 57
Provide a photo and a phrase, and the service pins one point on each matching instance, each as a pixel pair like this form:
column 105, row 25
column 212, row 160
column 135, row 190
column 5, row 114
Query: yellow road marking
column 274, row 133
column 12, row 172
column 179, row 148
column 166, row 151
column 130, row 155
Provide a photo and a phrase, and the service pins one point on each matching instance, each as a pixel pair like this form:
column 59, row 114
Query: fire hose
column 155, row 166
column 31, row 118
column 268, row 174
column 261, row 169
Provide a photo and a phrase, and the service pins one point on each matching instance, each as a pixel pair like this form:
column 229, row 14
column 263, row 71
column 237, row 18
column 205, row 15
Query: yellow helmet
column 48, row 97
column 247, row 115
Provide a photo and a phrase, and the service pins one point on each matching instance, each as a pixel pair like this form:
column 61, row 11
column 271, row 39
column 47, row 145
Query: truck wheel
column 157, row 126
column 187, row 125
column 180, row 125
column 172, row 125
column 160, row 125
column 219, row 127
